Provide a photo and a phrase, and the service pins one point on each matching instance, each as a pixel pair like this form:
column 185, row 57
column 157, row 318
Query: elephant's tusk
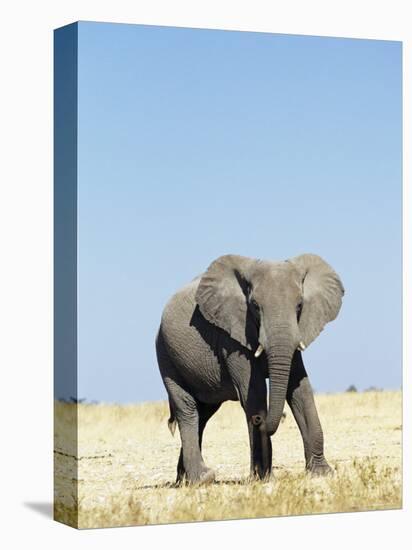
column 301, row 346
column 258, row 352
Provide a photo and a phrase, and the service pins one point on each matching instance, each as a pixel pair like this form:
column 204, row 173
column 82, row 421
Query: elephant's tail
column 171, row 423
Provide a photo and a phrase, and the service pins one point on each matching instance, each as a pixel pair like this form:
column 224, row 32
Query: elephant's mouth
column 260, row 350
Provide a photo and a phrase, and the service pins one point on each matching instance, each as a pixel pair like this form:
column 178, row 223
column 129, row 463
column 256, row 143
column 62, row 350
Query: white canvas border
column 26, row 286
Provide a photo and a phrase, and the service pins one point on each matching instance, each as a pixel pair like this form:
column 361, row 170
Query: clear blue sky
column 197, row 143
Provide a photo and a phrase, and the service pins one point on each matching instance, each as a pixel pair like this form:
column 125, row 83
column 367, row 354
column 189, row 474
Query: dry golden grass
column 127, row 459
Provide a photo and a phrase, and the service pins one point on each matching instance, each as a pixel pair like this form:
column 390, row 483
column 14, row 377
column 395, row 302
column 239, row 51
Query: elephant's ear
column 322, row 295
column 222, row 297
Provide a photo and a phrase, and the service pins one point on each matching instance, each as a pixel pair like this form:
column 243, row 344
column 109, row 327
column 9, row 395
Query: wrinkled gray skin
column 206, row 345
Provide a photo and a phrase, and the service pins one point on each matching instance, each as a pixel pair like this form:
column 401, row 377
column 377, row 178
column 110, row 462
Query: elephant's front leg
column 260, row 445
column 302, row 403
column 251, row 386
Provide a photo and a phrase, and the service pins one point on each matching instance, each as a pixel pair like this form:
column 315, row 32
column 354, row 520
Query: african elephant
column 221, row 336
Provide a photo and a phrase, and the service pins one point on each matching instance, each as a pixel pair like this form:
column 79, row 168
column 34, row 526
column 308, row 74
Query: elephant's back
column 176, row 324
column 181, row 305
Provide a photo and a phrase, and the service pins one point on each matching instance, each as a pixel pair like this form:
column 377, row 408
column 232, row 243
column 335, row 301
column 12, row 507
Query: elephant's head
column 273, row 306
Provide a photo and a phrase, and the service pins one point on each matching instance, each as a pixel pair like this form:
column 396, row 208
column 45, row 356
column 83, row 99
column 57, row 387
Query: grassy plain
column 126, row 464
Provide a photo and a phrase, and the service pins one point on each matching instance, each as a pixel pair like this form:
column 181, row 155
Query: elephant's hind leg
column 302, row 403
column 190, row 466
column 191, row 419
column 194, row 469
column 206, row 411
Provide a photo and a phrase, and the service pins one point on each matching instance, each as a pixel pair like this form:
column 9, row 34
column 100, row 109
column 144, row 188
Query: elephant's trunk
column 279, row 358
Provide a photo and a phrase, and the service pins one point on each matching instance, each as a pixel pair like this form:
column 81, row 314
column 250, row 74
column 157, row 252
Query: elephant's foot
column 257, row 473
column 204, row 477
column 318, row 467
column 208, row 476
column 261, row 478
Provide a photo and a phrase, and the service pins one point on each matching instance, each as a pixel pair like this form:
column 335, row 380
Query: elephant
column 221, row 336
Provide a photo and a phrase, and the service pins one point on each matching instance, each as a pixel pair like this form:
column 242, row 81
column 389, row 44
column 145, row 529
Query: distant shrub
column 352, row 388
column 373, row 388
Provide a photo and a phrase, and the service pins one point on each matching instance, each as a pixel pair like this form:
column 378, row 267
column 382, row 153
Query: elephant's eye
column 299, row 309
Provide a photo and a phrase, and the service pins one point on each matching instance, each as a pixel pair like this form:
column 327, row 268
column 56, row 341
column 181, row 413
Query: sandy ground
column 126, row 463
